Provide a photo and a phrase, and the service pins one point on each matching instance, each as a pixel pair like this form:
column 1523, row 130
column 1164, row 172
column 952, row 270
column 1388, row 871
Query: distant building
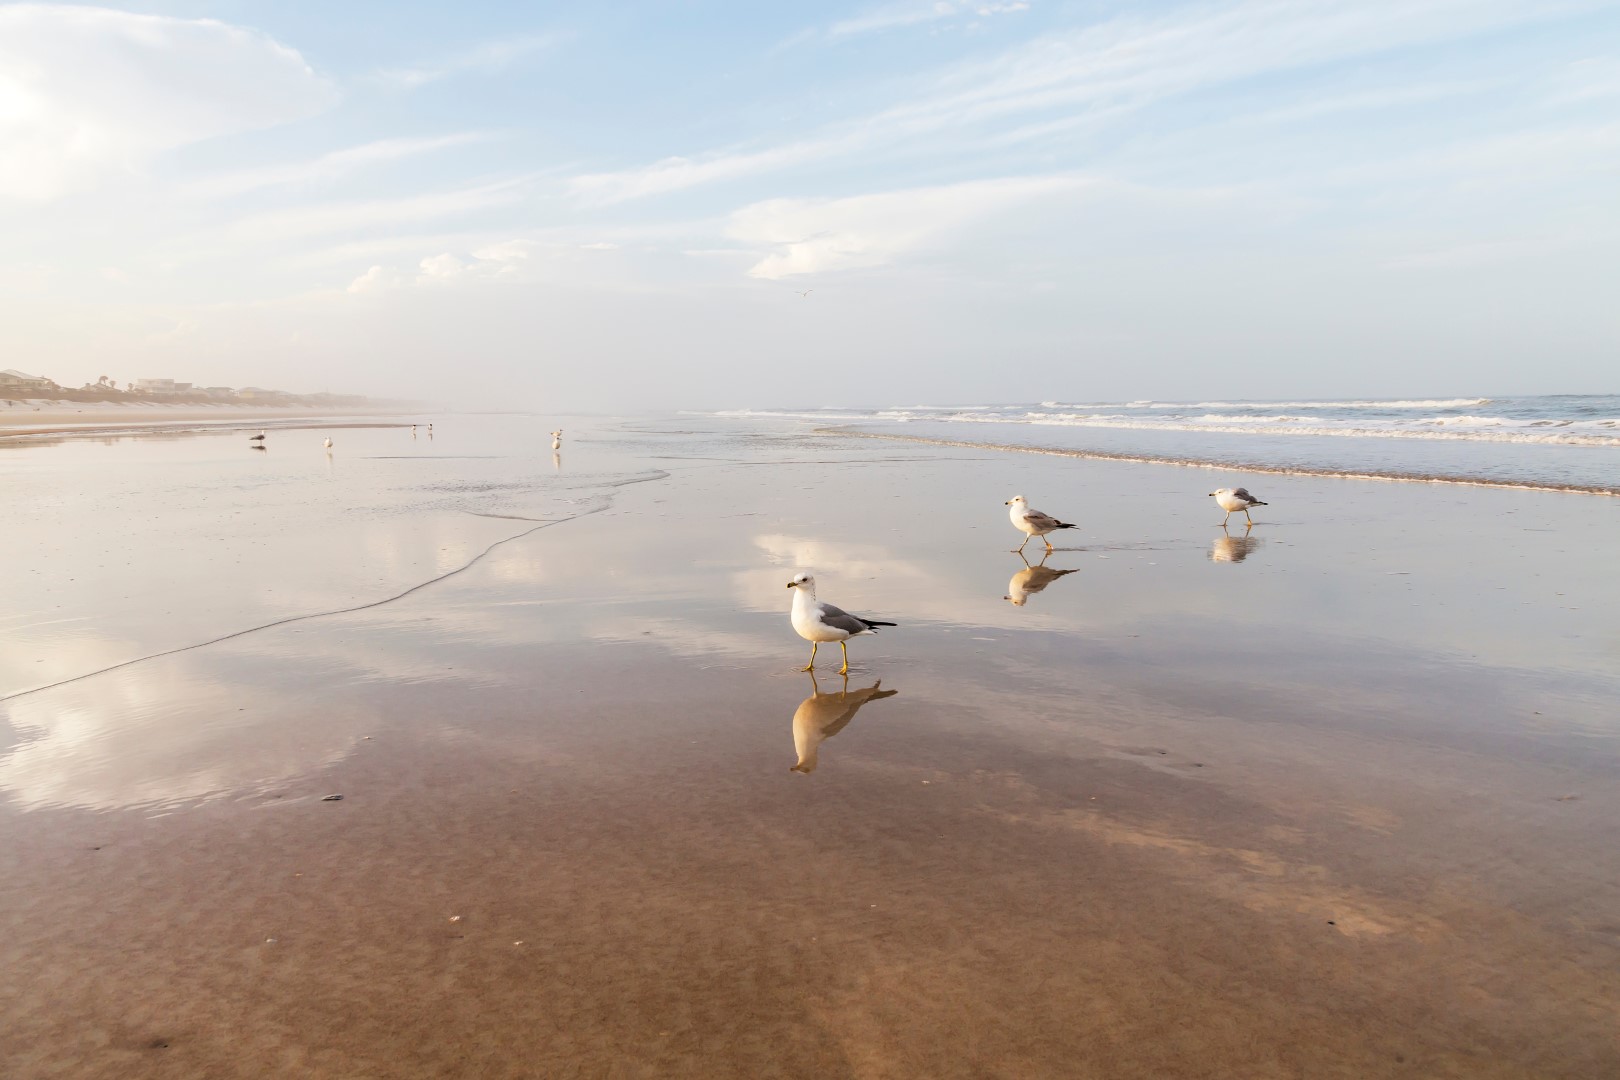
column 162, row 386
column 12, row 380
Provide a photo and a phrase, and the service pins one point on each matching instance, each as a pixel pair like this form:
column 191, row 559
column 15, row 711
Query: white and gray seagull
column 1234, row 499
column 817, row 622
column 1032, row 522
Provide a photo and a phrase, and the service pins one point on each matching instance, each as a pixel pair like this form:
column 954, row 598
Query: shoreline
column 148, row 418
column 1240, row 466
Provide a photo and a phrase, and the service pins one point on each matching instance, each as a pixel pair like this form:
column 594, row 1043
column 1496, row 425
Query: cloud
column 897, row 16
column 507, row 251
column 815, row 235
column 331, row 166
column 1105, row 72
column 490, row 56
column 327, row 218
column 373, row 280
column 443, row 267
column 85, row 92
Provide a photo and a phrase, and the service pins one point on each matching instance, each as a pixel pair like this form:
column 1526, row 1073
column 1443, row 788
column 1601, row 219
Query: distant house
column 13, row 381
column 162, row 386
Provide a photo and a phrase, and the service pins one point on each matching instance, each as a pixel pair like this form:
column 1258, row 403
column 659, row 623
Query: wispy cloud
column 898, row 16
column 329, row 218
column 808, row 236
column 487, row 57
column 328, row 167
column 88, row 92
column 1104, row 72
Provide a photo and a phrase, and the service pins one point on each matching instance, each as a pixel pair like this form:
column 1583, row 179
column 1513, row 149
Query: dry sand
column 1343, row 809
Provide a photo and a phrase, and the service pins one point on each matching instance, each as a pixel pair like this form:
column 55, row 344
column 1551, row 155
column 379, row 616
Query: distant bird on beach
column 821, row 716
column 329, row 444
column 817, row 622
column 257, row 438
column 556, row 439
column 1033, row 522
column 413, row 431
column 1234, row 499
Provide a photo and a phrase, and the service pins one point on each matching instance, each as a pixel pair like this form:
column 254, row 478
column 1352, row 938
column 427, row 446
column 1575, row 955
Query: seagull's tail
column 1066, row 525
column 1257, row 502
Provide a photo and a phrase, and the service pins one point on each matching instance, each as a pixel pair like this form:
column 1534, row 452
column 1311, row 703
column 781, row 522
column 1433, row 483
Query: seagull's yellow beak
column 791, row 584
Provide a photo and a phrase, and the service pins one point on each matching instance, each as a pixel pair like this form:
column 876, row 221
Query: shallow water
column 1553, row 441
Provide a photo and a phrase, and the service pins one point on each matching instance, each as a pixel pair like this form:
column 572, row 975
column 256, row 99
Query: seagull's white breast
column 1228, row 501
column 807, row 620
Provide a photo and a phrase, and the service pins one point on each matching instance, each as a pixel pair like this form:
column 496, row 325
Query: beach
column 1331, row 797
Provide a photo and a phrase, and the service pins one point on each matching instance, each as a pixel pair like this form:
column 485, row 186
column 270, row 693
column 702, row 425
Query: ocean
column 1564, row 441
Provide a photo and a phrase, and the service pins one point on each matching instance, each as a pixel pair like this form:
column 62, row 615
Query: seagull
column 1031, row 580
column 257, row 438
column 1234, row 499
column 805, row 294
column 821, row 716
column 329, row 444
column 817, row 622
column 1032, row 522
column 556, row 439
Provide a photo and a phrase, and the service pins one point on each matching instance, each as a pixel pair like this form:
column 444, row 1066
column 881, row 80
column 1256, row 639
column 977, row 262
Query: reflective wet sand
column 1336, row 803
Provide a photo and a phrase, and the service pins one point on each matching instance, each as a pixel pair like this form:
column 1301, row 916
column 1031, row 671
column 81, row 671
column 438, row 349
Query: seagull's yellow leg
column 845, row 669
column 1226, row 519
column 1020, row 547
column 811, row 666
column 1246, row 514
column 1047, row 542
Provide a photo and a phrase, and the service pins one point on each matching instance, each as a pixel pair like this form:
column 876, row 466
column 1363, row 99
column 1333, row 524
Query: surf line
column 1230, row 466
column 317, row 614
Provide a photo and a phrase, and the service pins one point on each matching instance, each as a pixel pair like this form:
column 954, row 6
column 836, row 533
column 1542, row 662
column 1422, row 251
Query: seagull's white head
column 1221, row 491
column 1016, row 500
column 803, row 581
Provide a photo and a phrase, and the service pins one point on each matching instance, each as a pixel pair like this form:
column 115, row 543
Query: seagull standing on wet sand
column 328, row 444
column 257, row 438
column 1032, row 522
column 1234, row 499
column 556, row 439
column 817, row 622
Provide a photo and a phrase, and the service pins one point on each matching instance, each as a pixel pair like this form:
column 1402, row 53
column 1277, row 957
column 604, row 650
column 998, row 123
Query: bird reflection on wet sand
column 821, row 716
column 1229, row 548
column 1030, row 580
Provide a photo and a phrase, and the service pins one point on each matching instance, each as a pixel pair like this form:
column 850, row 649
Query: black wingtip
column 873, row 622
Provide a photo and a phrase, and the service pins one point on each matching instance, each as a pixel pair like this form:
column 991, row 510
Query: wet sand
column 1334, row 798
column 32, row 419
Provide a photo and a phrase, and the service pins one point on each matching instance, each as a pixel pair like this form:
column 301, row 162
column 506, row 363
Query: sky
column 627, row 206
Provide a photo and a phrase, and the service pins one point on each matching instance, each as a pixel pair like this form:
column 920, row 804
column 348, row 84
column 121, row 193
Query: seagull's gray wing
column 839, row 619
column 1243, row 493
column 1040, row 520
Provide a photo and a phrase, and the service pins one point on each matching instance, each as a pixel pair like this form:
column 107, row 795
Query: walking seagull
column 1032, row 522
column 1234, row 499
column 817, row 622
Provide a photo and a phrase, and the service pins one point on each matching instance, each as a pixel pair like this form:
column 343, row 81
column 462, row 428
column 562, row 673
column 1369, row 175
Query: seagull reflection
column 1229, row 548
column 1031, row 580
column 556, row 462
column 821, row 716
